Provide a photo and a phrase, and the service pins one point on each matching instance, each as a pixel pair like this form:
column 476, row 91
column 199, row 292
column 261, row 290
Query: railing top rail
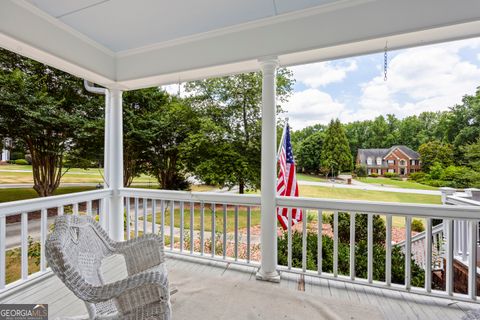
column 16, row 207
column 421, row 235
column 462, row 200
column 188, row 196
column 404, row 209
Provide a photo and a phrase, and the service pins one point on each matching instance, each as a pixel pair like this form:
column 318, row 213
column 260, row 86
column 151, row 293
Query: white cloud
column 311, row 106
column 429, row 78
column 317, row 75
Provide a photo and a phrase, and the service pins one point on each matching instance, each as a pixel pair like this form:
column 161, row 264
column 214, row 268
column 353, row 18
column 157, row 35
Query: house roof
column 363, row 154
column 409, row 152
column 133, row 44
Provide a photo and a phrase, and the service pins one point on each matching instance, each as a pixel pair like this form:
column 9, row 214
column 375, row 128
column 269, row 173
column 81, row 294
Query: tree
column 435, row 152
column 46, row 110
column 226, row 150
column 309, row 153
column 336, row 154
column 472, row 155
column 139, row 109
column 164, row 133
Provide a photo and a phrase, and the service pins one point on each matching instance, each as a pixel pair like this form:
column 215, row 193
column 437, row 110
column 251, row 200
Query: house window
column 402, row 162
column 369, row 171
column 391, row 161
column 379, row 161
column 391, row 170
column 369, row 161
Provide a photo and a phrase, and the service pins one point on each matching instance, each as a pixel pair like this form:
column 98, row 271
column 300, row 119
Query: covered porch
column 104, row 43
column 218, row 284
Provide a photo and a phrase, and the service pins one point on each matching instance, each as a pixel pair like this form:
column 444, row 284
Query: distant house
column 398, row 159
column 5, row 155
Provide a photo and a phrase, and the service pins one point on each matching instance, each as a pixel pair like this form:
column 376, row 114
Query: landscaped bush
column 417, row 176
column 390, row 175
column 374, row 175
column 327, row 217
column 21, row 162
column 361, row 258
column 15, row 155
column 361, row 171
column 417, row 225
column 361, row 228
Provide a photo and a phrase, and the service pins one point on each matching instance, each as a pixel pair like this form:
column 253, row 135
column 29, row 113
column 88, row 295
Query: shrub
column 361, row 228
column 417, row 176
column 374, row 175
column 417, row 225
column 436, row 171
column 327, row 217
column 16, row 155
column 390, row 175
column 361, row 171
column 460, row 177
column 21, row 162
column 361, row 258
column 437, row 183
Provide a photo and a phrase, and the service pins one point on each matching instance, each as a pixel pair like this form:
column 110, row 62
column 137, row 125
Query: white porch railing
column 90, row 202
column 224, row 227
column 448, row 213
column 174, row 210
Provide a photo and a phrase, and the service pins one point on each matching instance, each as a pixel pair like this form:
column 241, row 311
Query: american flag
column 287, row 185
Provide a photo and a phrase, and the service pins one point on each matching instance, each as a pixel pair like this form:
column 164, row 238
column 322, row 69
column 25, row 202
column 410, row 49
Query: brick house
column 397, row 159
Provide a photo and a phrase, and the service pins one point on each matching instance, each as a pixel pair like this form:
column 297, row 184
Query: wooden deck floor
column 392, row 304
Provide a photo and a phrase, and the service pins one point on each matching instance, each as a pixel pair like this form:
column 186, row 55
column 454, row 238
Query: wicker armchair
column 75, row 250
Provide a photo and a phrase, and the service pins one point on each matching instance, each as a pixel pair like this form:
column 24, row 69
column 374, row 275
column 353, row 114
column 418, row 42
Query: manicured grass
column 396, row 183
column 310, row 177
column 13, row 265
column 242, row 218
column 358, row 194
column 14, row 194
column 73, row 175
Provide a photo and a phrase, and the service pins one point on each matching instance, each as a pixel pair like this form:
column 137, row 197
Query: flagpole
column 283, row 138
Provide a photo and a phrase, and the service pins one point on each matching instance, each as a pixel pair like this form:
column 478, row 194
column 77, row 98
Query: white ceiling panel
column 126, row 24
column 285, row 6
column 57, row 8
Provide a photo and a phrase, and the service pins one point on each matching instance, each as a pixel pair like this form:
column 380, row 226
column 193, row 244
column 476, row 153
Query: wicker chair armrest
column 95, row 294
column 141, row 253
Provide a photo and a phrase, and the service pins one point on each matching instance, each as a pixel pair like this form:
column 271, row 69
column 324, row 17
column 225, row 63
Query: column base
column 269, row 276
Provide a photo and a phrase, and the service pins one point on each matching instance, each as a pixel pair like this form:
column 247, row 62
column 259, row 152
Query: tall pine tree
column 336, row 156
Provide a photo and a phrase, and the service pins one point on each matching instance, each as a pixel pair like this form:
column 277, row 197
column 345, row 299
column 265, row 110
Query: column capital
column 268, row 63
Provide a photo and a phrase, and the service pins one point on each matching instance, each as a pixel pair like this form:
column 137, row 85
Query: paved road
column 13, row 238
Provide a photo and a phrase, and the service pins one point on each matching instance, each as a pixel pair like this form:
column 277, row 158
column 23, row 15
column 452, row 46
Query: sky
column 428, row 78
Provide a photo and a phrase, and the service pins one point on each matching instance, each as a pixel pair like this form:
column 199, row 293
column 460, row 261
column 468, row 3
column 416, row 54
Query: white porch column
column 268, row 268
column 106, row 148
column 115, row 165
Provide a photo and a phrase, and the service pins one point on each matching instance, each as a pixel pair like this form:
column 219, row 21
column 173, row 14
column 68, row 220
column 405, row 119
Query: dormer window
column 369, row 161
column 379, row 161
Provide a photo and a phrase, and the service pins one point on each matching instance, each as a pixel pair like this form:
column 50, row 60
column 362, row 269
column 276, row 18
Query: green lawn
column 310, row 177
column 242, row 218
column 358, row 194
column 396, row 183
column 15, row 194
column 73, row 175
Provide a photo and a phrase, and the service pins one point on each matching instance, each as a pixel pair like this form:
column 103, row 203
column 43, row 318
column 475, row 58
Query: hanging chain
column 385, row 62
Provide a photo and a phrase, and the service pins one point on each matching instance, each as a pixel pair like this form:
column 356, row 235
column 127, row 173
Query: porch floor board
column 392, row 304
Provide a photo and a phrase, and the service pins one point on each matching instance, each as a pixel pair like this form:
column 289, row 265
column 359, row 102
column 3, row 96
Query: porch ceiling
column 142, row 43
